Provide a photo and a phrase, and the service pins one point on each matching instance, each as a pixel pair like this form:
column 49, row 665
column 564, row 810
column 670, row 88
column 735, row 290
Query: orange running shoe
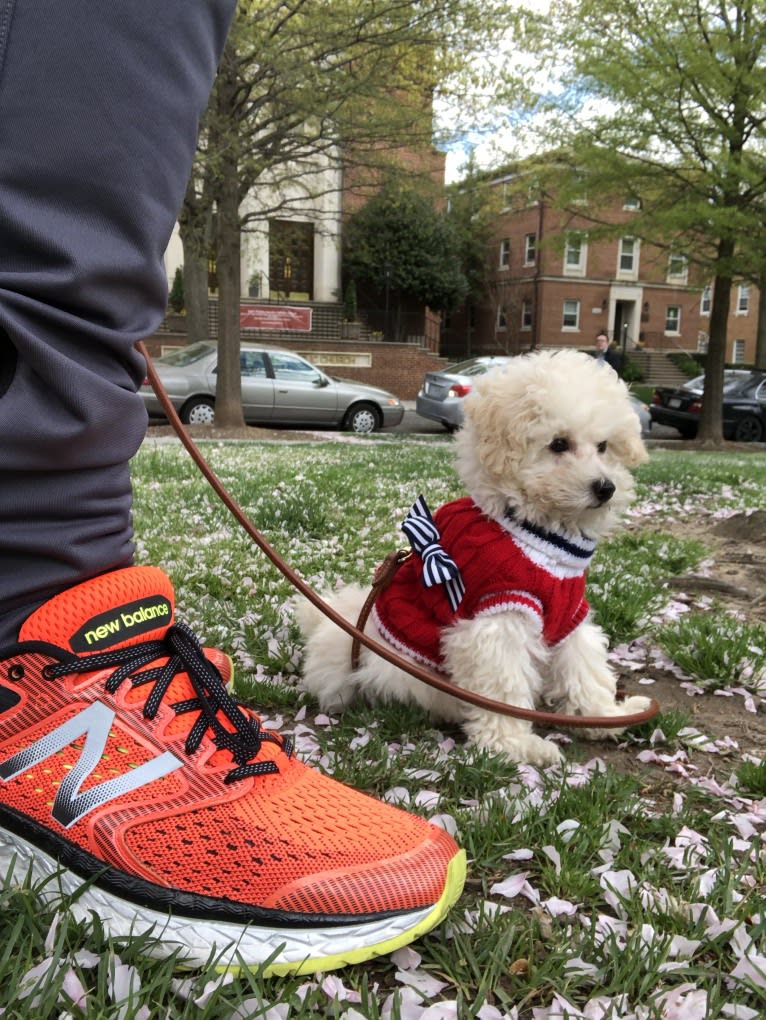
column 129, row 773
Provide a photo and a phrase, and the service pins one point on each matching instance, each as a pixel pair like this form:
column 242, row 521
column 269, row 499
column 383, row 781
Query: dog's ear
column 499, row 415
column 629, row 448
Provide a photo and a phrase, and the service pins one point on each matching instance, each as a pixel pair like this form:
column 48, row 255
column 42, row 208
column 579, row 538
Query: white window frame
column 576, row 244
column 669, row 329
column 738, row 352
column 632, row 202
column 530, row 249
column 678, row 267
column 571, row 327
column 501, row 319
column 743, row 299
column 622, row 272
column 505, row 253
column 526, row 315
column 706, row 300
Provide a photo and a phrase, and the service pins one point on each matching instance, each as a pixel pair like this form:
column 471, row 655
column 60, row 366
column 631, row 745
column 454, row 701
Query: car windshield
column 732, row 378
column 186, row 355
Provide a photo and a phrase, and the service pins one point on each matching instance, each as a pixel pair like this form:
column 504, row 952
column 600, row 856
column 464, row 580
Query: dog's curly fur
column 548, row 436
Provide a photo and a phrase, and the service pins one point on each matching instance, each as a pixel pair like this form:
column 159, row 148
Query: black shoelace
column 184, row 654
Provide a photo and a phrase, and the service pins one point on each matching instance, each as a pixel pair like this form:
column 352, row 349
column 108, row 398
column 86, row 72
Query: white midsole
column 198, row 942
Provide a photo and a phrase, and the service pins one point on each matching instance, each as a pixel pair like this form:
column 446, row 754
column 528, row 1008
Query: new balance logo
column 94, row 723
column 117, row 625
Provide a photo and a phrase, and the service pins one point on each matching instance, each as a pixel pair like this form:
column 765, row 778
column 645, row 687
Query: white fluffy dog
column 544, row 455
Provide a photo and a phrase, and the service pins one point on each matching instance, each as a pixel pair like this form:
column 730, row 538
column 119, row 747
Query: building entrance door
column 624, row 331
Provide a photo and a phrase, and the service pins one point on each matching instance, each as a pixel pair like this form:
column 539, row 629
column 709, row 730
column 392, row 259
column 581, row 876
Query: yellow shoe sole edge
column 456, row 873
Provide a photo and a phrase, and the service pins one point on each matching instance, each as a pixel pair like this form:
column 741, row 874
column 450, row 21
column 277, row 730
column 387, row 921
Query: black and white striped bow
column 438, row 568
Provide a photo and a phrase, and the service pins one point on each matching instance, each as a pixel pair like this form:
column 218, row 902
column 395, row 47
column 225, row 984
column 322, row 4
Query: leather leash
column 540, row 718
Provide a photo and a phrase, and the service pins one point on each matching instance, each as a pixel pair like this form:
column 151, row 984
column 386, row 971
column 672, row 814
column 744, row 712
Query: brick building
column 552, row 283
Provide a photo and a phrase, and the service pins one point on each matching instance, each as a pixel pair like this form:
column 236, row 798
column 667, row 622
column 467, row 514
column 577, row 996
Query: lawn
column 627, row 884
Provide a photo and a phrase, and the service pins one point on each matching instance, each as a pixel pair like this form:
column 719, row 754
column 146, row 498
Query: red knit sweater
column 504, row 566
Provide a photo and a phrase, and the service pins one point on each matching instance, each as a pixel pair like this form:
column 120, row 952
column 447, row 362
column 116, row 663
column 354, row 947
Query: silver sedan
column 441, row 398
column 278, row 388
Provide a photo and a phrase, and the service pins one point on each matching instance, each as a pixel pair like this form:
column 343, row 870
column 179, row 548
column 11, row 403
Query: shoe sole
column 229, row 947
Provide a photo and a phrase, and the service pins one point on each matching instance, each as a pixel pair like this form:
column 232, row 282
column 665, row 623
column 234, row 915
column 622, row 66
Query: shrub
column 176, row 298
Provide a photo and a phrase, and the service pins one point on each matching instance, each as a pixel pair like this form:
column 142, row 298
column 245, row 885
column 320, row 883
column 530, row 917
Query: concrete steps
column 657, row 368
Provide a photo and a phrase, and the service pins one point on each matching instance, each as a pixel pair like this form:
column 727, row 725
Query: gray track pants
column 99, row 106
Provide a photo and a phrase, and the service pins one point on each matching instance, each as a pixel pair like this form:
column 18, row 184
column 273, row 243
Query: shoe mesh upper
column 293, row 840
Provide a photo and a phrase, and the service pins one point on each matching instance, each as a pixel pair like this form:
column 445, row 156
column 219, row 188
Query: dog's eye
column 602, row 447
column 559, row 445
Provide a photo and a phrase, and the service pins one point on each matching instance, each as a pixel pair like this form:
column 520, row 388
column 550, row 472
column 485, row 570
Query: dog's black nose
column 603, row 489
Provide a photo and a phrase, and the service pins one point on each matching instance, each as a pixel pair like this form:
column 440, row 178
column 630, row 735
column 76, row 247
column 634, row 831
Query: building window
column 738, row 356
column 501, row 321
column 570, row 319
column 526, row 314
column 678, row 268
column 743, row 299
column 673, row 319
column 533, row 193
column 627, row 263
column 632, row 202
column 505, row 253
column 706, row 300
column 575, row 255
column 530, row 249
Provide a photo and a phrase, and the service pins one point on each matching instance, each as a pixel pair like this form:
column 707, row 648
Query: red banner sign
column 275, row 317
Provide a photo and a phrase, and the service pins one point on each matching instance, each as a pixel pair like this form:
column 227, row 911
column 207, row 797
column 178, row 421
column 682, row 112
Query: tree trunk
column 228, row 391
column 760, row 340
column 711, row 426
column 194, row 230
column 196, row 294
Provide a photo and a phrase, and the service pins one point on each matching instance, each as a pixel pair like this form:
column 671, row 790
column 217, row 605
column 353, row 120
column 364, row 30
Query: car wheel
column 688, row 431
column 362, row 419
column 198, row 411
column 748, row 430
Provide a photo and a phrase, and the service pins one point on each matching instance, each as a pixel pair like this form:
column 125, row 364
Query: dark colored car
column 744, row 406
column 278, row 388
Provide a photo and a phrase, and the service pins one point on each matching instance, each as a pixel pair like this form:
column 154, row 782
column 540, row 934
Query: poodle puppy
column 494, row 597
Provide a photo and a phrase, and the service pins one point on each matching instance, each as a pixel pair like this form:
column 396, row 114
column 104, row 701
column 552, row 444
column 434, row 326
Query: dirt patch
column 735, row 568
column 735, row 574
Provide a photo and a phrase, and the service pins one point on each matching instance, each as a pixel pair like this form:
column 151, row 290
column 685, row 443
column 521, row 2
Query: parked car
column 441, row 398
column 278, row 388
column 744, row 406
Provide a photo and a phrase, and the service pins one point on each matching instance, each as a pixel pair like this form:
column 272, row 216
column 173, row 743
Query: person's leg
column 129, row 777
column 99, row 109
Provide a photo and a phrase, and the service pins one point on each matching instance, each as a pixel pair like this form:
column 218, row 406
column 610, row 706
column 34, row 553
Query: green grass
column 751, row 776
column 626, row 579
column 717, row 649
column 636, row 878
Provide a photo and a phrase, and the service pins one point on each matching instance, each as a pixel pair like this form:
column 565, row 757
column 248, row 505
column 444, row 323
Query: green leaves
column 400, row 240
